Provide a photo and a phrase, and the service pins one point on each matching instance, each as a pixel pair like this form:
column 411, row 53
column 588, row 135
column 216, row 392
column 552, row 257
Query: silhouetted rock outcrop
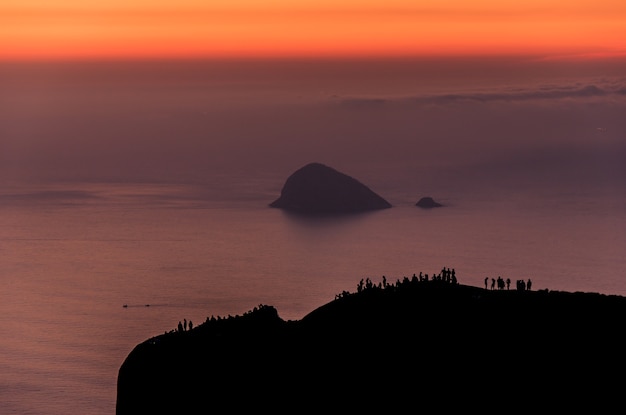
column 386, row 346
column 319, row 189
column 428, row 202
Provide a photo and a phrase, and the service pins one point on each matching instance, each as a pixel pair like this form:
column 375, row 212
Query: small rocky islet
column 428, row 202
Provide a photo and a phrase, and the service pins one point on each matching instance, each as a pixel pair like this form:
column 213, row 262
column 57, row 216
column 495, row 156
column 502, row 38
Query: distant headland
column 393, row 343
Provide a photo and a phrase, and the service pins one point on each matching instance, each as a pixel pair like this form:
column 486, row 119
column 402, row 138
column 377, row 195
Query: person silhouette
column 528, row 284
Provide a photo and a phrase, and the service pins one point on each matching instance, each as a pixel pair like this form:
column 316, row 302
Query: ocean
column 135, row 195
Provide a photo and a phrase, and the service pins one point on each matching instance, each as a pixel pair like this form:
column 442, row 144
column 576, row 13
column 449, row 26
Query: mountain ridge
column 440, row 329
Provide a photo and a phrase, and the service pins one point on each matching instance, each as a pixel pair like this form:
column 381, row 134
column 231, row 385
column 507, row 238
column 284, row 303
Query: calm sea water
column 113, row 196
column 73, row 255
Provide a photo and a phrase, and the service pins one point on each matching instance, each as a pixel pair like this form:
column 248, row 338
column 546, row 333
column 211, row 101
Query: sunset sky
column 61, row 29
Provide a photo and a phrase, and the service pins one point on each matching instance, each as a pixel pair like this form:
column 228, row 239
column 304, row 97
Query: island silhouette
column 428, row 202
column 319, row 189
column 418, row 340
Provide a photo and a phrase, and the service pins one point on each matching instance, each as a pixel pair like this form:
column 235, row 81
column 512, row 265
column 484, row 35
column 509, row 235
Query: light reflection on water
column 68, row 269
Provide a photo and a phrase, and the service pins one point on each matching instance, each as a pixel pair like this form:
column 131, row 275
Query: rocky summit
column 319, row 189
column 385, row 348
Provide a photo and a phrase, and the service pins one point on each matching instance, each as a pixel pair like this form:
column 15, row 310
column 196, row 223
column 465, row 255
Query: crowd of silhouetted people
column 184, row 325
column 501, row 284
column 446, row 275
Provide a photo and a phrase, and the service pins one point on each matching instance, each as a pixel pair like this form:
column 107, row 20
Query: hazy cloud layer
column 547, row 92
column 404, row 130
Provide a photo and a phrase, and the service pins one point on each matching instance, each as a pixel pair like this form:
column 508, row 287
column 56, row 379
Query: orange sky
column 45, row 29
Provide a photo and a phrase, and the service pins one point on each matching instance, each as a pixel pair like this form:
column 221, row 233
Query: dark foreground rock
column 319, row 189
column 386, row 348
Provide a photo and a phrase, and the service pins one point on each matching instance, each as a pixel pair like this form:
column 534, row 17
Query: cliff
column 384, row 346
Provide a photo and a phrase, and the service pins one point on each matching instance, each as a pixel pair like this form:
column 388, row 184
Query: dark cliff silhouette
column 319, row 189
column 428, row 202
column 385, row 347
